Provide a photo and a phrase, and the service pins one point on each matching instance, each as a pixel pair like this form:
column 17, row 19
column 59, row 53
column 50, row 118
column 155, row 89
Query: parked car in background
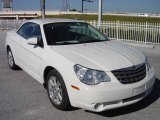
column 78, row 65
column 143, row 14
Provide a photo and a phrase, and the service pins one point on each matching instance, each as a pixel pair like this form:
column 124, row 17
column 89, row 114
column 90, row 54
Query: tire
column 57, row 91
column 11, row 61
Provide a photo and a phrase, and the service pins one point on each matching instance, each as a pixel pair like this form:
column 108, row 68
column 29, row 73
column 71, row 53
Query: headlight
column 148, row 65
column 90, row 76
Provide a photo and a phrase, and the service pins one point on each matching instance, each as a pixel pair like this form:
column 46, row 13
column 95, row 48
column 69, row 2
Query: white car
column 78, row 65
column 143, row 15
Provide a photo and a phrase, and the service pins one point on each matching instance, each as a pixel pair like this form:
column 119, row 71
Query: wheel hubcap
column 10, row 58
column 55, row 90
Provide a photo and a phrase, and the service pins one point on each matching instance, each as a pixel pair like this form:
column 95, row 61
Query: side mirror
column 32, row 41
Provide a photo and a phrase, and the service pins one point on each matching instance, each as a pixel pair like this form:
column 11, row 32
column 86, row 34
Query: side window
column 22, row 30
column 29, row 30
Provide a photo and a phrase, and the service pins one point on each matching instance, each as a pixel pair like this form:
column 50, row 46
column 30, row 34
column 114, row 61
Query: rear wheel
column 11, row 61
column 57, row 91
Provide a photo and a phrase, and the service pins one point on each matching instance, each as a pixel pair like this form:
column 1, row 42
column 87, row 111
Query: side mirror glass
column 32, row 41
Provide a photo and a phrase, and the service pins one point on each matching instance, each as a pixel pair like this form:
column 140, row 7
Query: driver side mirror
column 32, row 41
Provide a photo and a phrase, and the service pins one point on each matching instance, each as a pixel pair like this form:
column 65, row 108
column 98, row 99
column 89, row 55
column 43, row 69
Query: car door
column 31, row 55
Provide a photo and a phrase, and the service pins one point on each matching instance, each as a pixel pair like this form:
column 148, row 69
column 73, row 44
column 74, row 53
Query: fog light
column 97, row 106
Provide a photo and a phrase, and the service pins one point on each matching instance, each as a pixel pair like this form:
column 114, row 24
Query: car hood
column 106, row 56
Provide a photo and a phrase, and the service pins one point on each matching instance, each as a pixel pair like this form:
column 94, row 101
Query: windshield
column 71, row 33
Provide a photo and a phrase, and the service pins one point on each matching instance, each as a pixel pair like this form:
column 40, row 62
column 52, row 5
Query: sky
column 139, row 6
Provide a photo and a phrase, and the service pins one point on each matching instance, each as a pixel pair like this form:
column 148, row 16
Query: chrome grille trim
column 131, row 75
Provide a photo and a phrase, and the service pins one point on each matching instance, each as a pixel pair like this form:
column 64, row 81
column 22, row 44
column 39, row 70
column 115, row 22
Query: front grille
column 131, row 75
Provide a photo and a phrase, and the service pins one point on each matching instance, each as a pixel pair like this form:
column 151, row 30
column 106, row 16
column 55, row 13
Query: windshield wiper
column 78, row 42
column 92, row 40
column 65, row 43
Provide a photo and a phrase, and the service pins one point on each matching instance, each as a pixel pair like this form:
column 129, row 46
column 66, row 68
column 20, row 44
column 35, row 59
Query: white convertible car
column 78, row 65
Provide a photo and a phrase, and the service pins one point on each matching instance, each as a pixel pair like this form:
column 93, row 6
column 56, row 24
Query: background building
column 7, row 5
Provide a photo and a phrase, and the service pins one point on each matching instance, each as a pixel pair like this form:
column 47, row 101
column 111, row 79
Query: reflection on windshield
column 71, row 33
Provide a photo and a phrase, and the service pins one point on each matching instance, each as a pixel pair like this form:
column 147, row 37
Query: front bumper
column 110, row 95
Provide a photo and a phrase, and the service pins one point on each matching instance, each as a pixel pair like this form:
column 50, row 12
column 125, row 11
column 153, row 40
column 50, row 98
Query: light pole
column 43, row 9
column 100, row 14
column 83, row 3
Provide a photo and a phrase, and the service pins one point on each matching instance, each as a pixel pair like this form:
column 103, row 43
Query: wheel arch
column 45, row 73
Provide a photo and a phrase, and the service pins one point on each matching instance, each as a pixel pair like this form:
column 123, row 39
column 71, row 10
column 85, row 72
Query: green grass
column 107, row 18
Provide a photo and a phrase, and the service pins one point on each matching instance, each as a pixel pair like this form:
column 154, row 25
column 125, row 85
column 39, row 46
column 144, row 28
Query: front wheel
column 11, row 61
column 57, row 91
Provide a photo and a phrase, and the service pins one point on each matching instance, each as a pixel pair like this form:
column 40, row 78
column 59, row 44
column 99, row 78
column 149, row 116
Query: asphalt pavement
column 23, row 98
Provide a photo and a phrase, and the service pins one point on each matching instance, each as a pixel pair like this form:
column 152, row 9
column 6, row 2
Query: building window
column 7, row 5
